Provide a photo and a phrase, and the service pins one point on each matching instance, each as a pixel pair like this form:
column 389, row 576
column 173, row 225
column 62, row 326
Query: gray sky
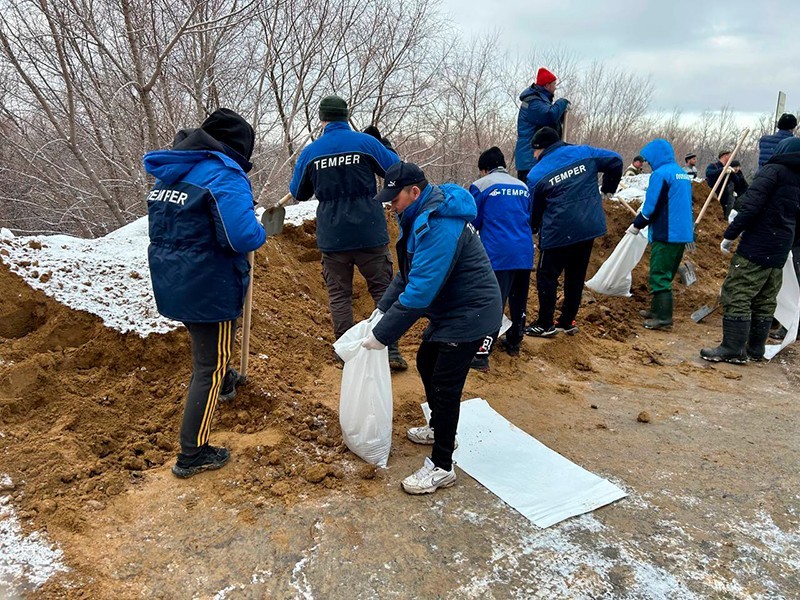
column 700, row 55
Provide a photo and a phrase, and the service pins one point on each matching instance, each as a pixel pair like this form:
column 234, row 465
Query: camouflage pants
column 750, row 289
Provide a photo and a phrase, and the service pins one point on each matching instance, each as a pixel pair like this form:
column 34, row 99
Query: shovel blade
column 272, row 220
column 702, row 312
column 686, row 274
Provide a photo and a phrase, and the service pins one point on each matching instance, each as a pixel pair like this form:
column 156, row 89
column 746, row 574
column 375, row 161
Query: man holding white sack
column 445, row 275
column 667, row 210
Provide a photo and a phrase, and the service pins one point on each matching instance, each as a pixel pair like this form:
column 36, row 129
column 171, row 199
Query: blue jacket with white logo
column 768, row 143
column 202, row 225
column 536, row 110
column 668, row 204
column 339, row 169
column 567, row 208
column 443, row 272
column 504, row 220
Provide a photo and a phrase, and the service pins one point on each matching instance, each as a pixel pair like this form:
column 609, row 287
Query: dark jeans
column 443, row 368
column 375, row 265
column 514, row 285
column 212, row 346
column 572, row 260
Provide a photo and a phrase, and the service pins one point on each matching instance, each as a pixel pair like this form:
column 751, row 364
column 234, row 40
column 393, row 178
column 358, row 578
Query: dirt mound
column 86, row 410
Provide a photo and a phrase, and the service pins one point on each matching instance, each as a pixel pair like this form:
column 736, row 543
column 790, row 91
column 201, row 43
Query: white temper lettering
column 337, row 161
column 171, row 196
column 567, row 174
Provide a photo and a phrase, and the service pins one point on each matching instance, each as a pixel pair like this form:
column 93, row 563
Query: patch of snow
column 26, row 561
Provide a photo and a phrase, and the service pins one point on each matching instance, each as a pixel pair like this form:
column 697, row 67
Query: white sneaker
column 424, row 435
column 428, row 479
column 421, row 435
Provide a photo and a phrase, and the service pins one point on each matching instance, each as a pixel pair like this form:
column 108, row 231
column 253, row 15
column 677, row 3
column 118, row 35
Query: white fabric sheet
column 788, row 311
column 527, row 475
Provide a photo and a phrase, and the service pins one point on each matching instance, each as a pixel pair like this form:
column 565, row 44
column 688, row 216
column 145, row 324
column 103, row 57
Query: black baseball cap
column 398, row 176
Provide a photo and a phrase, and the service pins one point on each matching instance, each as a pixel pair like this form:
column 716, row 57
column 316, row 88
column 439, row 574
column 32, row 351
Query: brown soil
column 88, row 413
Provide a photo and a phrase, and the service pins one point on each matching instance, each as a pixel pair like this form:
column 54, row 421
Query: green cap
column 333, row 108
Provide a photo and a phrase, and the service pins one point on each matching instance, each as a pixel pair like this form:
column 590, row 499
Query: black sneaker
column 508, row 348
column 480, row 363
column 396, row 360
column 571, row 329
column 231, row 381
column 539, row 331
column 208, row 459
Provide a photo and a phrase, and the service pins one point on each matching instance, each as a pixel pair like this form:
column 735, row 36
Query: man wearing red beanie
column 537, row 110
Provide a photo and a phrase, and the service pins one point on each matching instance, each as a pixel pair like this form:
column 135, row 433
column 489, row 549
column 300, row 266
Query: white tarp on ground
column 788, row 311
column 527, row 475
column 613, row 278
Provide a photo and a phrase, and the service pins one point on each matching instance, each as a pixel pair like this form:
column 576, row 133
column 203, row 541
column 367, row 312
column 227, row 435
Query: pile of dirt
column 85, row 410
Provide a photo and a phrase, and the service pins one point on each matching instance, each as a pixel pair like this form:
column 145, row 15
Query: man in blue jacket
column 568, row 214
column 504, row 224
column 667, row 211
column 202, row 225
column 768, row 143
column 444, row 275
column 537, row 109
column 339, row 169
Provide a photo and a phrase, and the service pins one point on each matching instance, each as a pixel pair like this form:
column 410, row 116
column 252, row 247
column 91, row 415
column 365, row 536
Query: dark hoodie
column 223, row 131
column 767, row 219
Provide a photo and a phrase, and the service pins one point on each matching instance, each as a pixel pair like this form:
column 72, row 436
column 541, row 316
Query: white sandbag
column 613, row 278
column 365, row 403
column 788, row 311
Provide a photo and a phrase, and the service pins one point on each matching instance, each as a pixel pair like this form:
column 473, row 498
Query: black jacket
column 736, row 183
column 767, row 219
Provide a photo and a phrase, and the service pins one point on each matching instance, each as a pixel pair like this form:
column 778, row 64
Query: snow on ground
column 26, row 561
column 107, row 276
column 633, row 189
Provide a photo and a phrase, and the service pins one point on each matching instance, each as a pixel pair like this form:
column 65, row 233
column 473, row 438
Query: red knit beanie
column 543, row 77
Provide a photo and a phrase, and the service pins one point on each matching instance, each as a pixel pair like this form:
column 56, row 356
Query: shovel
column 702, row 312
column 686, row 273
column 273, row 217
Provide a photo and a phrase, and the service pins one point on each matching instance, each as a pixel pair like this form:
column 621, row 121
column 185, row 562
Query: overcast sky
column 700, row 55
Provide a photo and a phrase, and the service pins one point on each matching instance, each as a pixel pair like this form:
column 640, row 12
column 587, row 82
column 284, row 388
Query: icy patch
column 26, row 561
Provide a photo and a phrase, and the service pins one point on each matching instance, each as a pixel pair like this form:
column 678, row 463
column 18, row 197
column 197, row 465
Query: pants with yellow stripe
column 212, row 345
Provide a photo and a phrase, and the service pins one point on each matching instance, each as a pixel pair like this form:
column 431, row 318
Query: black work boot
column 396, row 360
column 756, row 341
column 208, row 459
column 735, row 331
column 661, row 308
column 480, row 362
column 231, row 381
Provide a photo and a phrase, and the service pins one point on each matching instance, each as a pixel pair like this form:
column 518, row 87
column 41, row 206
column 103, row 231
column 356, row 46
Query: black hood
column 223, row 131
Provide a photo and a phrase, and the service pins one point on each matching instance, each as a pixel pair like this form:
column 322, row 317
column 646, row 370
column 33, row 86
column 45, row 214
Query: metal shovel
column 702, row 312
column 686, row 273
column 273, row 217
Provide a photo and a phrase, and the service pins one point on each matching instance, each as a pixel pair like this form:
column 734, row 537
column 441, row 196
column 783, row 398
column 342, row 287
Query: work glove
column 608, row 195
column 726, row 246
column 372, row 343
column 732, row 215
column 633, row 230
column 728, row 170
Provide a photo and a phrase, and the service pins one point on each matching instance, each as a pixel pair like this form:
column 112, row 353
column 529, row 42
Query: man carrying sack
column 444, row 275
column 202, row 225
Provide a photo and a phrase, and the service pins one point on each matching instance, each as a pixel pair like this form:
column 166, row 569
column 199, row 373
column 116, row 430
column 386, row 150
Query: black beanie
column 787, row 121
column 544, row 138
column 491, row 159
column 230, row 128
column 333, row 108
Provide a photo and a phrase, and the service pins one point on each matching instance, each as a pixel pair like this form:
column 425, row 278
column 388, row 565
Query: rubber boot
column 647, row 314
column 396, row 360
column 756, row 341
column 661, row 307
column 735, row 332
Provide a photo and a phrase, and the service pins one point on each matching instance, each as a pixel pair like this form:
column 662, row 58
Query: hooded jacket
column 768, row 143
column 504, row 220
column 202, row 225
column 767, row 219
column 668, row 204
column 536, row 110
column 567, row 208
column 443, row 272
column 339, row 169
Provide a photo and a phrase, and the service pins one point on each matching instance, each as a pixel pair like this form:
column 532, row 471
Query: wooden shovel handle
column 719, row 179
column 248, row 311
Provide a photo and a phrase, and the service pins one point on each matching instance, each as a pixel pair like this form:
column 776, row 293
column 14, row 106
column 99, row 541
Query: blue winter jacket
column 768, row 143
column 443, row 272
column 567, row 208
column 202, row 225
column 668, row 203
column 536, row 110
column 339, row 168
column 504, row 220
